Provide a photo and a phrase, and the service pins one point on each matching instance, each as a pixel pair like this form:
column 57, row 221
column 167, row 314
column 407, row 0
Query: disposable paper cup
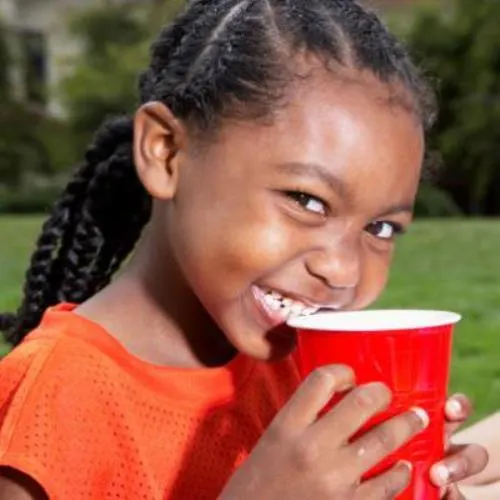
column 409, row 351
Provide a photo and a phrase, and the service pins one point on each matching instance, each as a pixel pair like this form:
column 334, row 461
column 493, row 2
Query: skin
column 486, row 485
column 222, row 210
column 225, row 220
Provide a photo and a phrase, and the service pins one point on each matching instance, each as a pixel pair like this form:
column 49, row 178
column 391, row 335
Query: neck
column 154, row 313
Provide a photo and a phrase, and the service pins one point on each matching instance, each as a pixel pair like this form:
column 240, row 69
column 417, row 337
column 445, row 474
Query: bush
column 104, row 77
column 460, row 47
column 116, row 40
column 30, row 200
column 34, row 148
column 434, row 202
column 35, row 153
column 5, row 62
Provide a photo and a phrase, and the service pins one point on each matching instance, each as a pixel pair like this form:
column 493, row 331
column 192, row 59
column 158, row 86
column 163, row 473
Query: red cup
column 409, row 351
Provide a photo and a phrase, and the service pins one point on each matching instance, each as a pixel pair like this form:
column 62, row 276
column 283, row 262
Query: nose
column 339, row 268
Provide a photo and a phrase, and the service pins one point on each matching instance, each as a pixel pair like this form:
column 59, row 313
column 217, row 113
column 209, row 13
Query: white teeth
column 286, row 306
column 276, row 305
column 272, row 302
column 309, row 310
column 269, row 300
column 285, row 312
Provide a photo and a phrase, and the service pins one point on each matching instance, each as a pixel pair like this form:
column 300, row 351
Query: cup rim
column 374, row 320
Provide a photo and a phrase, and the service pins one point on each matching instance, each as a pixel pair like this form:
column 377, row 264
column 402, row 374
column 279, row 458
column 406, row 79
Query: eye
column 385, row 230
column 308, row 202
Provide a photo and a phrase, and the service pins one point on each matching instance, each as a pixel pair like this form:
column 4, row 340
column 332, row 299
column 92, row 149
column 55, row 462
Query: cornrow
column 217, row 59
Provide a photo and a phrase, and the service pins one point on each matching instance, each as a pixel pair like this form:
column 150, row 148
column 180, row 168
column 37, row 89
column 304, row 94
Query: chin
column 273, row 345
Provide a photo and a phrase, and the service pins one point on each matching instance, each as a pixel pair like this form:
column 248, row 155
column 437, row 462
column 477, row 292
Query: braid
column 218, row 59
column 100, row 243
column 69, row 239
column 39, row 278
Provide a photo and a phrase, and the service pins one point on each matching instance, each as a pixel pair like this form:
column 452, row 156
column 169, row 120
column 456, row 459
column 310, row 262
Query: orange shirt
column 88, row 420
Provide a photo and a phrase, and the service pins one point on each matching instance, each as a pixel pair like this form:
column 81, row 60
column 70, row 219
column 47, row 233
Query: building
column 40, row 42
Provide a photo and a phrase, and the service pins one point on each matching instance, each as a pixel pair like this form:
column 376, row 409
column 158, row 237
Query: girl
column 272, row 164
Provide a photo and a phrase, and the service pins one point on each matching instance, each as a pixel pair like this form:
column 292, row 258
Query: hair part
column 218, row 59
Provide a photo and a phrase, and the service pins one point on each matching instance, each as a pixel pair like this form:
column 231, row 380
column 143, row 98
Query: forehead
column 360, row 128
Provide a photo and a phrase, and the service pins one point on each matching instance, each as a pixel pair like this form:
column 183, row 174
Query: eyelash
column 397, row 229
column 299, row 197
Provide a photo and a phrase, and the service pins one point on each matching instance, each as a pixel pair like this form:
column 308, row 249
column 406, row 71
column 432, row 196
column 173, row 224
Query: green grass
column 440, row 264
column 455, row 265
column 17, row 236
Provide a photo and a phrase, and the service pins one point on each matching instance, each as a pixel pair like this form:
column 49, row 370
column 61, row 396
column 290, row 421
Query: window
column 33, row 46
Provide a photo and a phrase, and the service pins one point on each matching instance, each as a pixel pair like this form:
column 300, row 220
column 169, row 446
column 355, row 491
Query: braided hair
column 217, row 59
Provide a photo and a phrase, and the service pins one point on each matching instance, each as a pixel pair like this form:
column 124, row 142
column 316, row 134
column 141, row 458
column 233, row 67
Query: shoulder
column 55, row 390
column 52, row 378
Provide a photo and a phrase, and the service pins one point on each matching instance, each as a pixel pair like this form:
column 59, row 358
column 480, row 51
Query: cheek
column 238, row 247
column 253, row 250
column 375, row 274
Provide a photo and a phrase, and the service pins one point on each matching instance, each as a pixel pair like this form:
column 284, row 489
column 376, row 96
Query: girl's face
column 275, row 220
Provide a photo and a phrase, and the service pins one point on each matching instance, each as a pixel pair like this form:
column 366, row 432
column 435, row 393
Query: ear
column 159, row 139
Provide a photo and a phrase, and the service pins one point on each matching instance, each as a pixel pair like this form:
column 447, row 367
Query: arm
column 15, row 485
column 488, row 492
column 486, row 433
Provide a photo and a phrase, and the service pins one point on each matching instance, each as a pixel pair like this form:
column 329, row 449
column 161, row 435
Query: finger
column 349, row 415
column 386, row 438
column 387, row 485
column 457, row 410
column 464, row 461
column 453, row 493
column 313, row 394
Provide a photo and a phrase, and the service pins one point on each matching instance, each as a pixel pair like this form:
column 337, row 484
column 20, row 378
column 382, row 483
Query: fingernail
column 422, row 415
column 454, row 407
column 442, row 474
column 406, row 464
column 345, row 387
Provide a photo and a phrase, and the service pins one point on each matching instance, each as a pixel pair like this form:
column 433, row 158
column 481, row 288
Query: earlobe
column 158, row 140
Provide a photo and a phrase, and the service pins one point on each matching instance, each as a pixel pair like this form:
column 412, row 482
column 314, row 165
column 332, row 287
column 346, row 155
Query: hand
column 453, row 493
column 461, row 461
column 301, row 456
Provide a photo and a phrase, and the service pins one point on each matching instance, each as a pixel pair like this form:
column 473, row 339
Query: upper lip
column 302, row 299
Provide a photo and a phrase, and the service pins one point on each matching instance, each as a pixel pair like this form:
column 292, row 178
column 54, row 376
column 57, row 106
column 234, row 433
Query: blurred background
column 67, row 64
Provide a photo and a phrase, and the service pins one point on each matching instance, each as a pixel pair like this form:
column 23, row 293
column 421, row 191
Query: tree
column 33, row 146
column 115, row 41
column 460, row 47
column 5, row 65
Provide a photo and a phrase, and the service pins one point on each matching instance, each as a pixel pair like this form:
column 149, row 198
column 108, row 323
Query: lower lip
column 271, row 318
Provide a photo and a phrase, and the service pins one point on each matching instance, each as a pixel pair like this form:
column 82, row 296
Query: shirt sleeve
column 50, row 427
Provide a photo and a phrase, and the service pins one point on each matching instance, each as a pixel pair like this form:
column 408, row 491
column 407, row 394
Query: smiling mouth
column 279, row 308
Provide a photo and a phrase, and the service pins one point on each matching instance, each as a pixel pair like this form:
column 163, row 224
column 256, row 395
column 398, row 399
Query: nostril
column 345, row 280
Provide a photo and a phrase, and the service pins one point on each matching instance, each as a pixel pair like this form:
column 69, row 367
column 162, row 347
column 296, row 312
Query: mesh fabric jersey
column 88, row 420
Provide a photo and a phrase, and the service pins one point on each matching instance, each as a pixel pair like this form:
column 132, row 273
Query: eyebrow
column 398, row 209
column 318, row 171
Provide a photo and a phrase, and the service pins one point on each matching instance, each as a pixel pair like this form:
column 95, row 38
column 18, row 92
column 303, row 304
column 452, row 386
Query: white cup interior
column 375, row 320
